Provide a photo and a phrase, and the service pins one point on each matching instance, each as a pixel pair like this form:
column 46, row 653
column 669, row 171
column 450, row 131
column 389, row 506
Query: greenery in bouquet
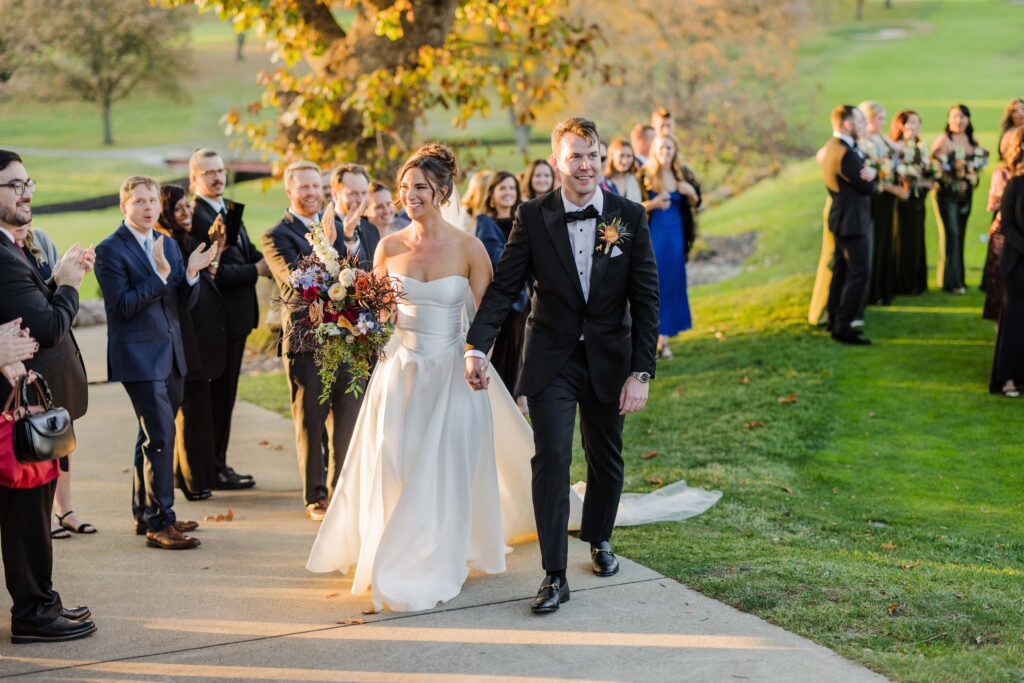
column 914, row 167
column 347, row 313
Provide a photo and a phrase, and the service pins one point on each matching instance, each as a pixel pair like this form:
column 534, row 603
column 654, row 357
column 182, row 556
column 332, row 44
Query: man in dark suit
column 46, row 309
column 590, row 343
column 240, row 265
column 284, row 244
column 145, row 283
column 350, row 192
column 850, row 184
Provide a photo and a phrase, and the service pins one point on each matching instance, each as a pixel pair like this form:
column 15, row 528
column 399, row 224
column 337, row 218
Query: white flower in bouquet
column 346, row 277
column 336, row 292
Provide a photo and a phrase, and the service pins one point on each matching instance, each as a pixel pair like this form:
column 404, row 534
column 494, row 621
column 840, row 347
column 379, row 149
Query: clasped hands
column 73, row 266
column 16, row 345
column 632, row 398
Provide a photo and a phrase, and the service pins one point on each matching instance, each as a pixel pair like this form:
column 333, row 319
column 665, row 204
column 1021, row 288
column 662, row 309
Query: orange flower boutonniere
column 610, row 234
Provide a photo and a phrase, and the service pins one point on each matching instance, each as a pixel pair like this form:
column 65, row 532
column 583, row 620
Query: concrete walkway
column 242, row 606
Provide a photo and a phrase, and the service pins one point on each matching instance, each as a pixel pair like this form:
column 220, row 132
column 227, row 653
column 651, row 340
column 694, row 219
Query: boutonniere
column 610, row 234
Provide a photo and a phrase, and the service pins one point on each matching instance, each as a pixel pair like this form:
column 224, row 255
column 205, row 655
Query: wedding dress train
column 437, row 477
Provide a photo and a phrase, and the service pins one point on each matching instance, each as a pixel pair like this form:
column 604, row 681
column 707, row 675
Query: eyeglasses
column 19, row 186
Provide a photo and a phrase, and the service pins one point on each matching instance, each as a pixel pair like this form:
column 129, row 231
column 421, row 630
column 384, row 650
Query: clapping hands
column 73, row 266
column 327, row 223
column 201, row 258
column 16, row 345
column 163, row 268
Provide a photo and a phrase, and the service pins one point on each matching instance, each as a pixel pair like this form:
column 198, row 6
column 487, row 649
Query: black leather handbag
column 42, row 431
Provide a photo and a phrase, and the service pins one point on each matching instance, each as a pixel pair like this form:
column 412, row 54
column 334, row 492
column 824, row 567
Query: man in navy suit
column 145, row 281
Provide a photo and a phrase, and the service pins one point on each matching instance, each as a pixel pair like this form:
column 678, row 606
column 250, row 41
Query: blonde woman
column 475, row 198
column 673, row 194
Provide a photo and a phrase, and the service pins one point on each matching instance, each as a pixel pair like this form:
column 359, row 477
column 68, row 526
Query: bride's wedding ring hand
column 476, row 373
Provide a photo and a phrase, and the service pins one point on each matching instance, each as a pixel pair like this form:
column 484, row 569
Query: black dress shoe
column 851, row 338
column 602, row 559
column 554, row 590
column 199, row 495
column 243, row 477
column 76, row 613
column 229, row 482
column 60, row 630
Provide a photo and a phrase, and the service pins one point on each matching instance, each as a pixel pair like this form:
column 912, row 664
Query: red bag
column 15, row 474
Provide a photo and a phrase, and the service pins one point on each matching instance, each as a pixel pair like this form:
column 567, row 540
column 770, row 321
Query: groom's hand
column 476, row 373
column 633, row 397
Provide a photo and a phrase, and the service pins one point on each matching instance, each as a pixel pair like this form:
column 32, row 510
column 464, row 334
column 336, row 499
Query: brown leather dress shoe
column 170, row 538
column 181, row 525
column 316, row 511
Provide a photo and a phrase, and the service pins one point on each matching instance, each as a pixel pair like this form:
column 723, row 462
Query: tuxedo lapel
column 554, row 220
column 599, row 265
column 24, row 258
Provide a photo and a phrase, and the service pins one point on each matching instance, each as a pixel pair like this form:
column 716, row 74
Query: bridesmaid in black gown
column 910, row 264
column 1008, row 364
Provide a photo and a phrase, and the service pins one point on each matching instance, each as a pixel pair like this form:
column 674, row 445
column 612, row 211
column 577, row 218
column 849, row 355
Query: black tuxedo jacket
column 284, row 244
column 850, row 215
column 369, row 238
column 236, row 276
column 48, row 311
column 619, row 319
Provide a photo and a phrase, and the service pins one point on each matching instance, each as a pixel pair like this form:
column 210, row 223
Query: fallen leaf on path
column 787, row 489
column 894, row 609
column 655, row 481
column 230, row 515
column 370, row 610
column 754, row 424
column 270, row 444
column 351, row 622
column 788, row 398
column 745, row 380
column 888, row 545
column 332, row 595
column 649, row 455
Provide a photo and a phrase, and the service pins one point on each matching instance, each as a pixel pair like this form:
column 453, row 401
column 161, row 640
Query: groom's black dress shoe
column 854, row 338
column 60, row 630
column 554, row 590
column 602, row 559
column 230, row 481
column 76, row 613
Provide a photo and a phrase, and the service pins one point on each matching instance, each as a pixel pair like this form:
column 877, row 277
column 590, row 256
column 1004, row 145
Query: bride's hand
column 476, row 373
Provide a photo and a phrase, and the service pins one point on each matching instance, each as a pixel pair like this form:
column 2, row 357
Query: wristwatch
column 642, row 377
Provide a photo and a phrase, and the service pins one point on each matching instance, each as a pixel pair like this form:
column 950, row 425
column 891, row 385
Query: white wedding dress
column 437, row 477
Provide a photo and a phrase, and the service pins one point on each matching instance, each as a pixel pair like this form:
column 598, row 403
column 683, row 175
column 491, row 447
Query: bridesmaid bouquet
column 914, row 166
column 960, row 170
column 347, row 313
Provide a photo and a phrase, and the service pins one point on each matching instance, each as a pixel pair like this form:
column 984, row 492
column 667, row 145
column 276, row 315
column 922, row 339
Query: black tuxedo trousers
column 553, row 414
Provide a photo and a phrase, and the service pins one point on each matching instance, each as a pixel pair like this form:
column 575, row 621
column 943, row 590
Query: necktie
column 148, row 248
column 585, row 214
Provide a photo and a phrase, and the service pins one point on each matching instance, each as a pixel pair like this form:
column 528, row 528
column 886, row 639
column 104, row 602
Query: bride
column 437, row 476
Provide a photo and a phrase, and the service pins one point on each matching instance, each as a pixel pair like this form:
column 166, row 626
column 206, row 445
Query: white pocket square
column 616, row 252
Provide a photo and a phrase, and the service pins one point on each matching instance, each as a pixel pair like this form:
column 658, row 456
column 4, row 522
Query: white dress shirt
column 140, row 237
column 216, row 204
column 850, row 142
column 302, row 219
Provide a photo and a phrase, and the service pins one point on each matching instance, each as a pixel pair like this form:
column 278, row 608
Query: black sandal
column 83, row 528
column 59, row 532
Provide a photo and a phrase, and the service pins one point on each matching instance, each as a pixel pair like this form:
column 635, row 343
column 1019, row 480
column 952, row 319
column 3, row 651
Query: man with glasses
column 240, row 265
column 31, row 304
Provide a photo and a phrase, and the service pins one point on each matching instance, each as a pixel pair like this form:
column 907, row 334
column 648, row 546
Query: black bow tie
column 584, row 215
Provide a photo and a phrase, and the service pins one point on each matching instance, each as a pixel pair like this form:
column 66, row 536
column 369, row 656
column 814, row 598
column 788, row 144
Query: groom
column 590, row 342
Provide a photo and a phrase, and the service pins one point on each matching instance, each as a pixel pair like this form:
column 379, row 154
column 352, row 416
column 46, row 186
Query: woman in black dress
column 960, row 157
column 203, row 336
column 493, row 226
column 1008, row 364
column 910, row 265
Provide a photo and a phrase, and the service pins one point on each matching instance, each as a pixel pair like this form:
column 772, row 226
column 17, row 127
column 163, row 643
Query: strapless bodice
column 430, row 319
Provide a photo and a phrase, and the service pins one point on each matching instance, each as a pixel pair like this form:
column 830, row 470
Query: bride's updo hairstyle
column 437, row 162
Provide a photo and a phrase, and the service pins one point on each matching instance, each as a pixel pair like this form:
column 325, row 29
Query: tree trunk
column 239, row 44
column 888, row 4
column 108, row 132
column 860, row 10
column 358, row 50
column 522, row 131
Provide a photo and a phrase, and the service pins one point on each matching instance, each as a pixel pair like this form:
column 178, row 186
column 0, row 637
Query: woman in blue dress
column 672, row 196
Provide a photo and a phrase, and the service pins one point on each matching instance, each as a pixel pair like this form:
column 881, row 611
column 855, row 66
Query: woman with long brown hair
column 673, row 195
column 537, row 179
column 620, row 171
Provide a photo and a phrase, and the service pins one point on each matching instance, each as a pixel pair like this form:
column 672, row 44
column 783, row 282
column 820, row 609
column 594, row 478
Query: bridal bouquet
column 347, row 313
